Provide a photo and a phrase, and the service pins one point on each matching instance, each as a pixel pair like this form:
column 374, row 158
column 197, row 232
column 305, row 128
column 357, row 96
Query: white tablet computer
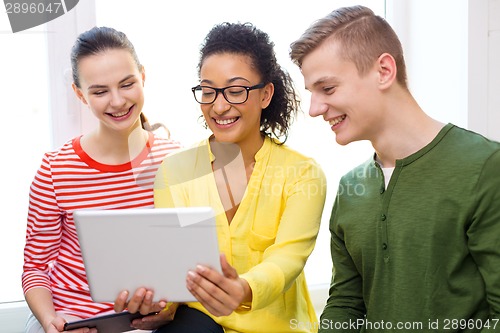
column 126, row 249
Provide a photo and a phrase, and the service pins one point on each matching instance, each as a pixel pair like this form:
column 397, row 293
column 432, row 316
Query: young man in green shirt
column 415, row 242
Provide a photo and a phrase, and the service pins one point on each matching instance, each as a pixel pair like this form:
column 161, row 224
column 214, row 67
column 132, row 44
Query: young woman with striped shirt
column 109, row 168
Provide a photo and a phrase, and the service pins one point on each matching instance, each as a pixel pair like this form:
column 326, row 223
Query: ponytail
column 151, row 128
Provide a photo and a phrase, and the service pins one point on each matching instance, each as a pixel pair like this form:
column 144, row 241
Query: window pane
column 24, row 137
column 167, row 44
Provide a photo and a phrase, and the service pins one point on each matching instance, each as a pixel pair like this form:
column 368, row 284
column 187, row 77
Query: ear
column 79, row 94
column 143, row 75
column 267, row 95
column 387, row 70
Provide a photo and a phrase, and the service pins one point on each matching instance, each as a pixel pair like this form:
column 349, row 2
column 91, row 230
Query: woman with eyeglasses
column 267, row 197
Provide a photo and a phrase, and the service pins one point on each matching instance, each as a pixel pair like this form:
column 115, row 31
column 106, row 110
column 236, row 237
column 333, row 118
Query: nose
column 317, row 107
column 117, row 100
column 220, row 105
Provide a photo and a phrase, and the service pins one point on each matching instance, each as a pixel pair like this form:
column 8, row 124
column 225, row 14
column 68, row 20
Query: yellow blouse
column 271, row 235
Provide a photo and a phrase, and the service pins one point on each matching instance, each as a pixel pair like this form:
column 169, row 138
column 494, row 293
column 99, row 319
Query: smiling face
column 111, row 84
column 347, row 101
column 234, row 123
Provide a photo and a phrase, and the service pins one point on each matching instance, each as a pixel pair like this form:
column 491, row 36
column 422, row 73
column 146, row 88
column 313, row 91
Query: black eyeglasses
column 232, row 94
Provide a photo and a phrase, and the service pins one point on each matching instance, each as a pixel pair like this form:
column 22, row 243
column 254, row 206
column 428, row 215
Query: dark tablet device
column 110, row 323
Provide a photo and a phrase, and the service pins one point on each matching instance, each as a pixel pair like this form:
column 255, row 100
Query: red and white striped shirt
column 69, row 179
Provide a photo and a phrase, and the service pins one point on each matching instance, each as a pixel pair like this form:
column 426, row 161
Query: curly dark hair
column 246, row 39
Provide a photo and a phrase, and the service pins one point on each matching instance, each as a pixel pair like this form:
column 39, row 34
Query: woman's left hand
column 141, row 301
column 220, row 294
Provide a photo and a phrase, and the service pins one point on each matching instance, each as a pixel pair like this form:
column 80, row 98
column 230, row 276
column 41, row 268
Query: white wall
column 493, row 33
column 484, row 67
column 454, row 68
column 433, row 37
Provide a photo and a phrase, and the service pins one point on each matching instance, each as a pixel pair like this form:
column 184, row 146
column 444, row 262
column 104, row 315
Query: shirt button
column 384, row 246
column 383, row 217
column 382, row 190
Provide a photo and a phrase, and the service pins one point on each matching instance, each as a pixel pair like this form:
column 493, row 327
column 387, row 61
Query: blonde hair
column 363, row 36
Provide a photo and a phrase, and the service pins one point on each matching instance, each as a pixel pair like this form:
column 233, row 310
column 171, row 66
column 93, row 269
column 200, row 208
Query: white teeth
column 225, row 121
column 120, row 114
column 337, row 120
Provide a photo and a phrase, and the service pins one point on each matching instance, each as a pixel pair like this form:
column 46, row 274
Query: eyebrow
column 324, row 79
column 100, row 86
column 228, row 82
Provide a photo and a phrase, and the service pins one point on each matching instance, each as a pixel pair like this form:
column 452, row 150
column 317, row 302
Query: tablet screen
column 182, row 237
